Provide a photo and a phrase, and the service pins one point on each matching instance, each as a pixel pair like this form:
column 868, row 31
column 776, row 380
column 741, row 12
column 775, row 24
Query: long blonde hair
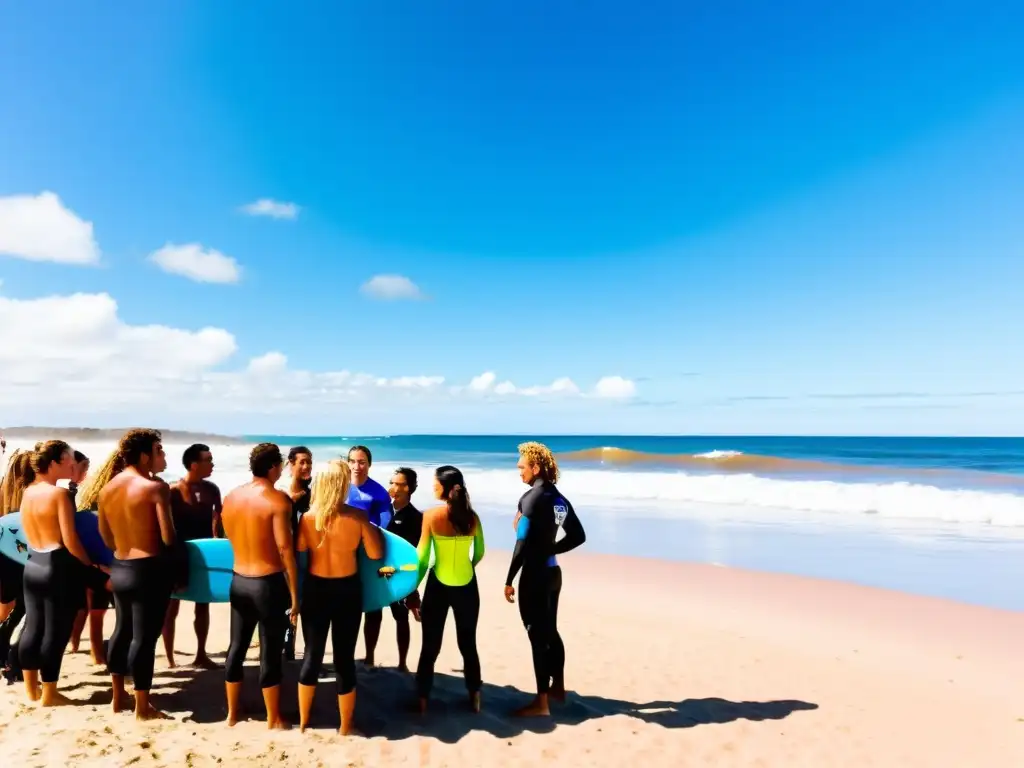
column 329, row 494
column 19, row 474
column 89, row 492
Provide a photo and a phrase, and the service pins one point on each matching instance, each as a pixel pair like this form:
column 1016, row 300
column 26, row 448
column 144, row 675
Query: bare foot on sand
column 204, row 662
column 54, row 699
column 557, row 693
column 149, row 712
column 122, row 702
column 536, row 708
column 278, row 725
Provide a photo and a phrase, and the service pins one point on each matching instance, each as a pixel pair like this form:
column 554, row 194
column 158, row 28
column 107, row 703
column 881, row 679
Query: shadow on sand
column 384, row 696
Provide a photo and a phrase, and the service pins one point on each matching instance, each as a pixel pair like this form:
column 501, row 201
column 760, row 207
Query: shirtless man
column 195, row 509
column 135, row 522
column 54, row 575
column 257, row 522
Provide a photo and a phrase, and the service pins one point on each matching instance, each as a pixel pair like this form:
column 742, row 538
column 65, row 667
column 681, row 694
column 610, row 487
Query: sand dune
column 670, row 664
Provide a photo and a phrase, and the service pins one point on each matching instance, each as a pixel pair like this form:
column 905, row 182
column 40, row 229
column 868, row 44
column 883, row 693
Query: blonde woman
column 332, row 598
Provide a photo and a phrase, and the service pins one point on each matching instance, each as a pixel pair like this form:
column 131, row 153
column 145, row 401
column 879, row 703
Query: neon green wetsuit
column 453, row 564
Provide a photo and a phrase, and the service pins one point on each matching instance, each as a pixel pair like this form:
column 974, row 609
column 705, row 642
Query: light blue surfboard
column 393, row 577
column 210, row 564
column 14, row 545
column 384, row 581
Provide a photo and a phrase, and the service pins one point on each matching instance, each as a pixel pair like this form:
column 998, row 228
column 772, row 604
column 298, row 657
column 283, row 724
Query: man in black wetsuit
column 300, row 464
column 542, row 512
column 195, row 509
column 406, row 521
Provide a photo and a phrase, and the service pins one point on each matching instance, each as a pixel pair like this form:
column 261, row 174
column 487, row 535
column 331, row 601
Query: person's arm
column 423, row 548
column 373, row 540
column 162, row 504
column 522, row 538
column 106, row 533
column 216, row 511
column 66, row 521
column 574, row 533
column 478, row 542
column 282, row 526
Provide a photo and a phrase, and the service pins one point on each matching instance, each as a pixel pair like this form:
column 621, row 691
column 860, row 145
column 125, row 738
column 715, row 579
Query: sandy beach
column 672, row 664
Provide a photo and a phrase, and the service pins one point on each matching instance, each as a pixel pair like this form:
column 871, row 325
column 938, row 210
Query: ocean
column 934, row 516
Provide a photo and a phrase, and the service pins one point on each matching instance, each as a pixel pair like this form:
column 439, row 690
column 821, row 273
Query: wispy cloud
column 391, row 288
column 273, row 209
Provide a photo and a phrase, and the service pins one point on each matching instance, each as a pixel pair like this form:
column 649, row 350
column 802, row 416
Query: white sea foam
column 669, row 494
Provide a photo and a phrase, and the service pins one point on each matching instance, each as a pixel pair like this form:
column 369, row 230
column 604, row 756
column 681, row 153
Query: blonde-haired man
column 543, row 511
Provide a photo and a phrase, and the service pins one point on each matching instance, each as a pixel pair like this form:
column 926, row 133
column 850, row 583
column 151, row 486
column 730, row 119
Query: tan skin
column 193, row 484
column 257, row 522
column 435, row 520
column 48, row 523
column 540, row 706
column 135, row 522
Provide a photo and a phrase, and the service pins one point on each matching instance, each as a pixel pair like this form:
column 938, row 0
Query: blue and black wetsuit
column 543, row 511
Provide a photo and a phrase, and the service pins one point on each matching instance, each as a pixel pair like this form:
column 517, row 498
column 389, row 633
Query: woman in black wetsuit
column 55, row 574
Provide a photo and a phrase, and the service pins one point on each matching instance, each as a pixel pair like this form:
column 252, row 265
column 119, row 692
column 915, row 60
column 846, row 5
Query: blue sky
column 771, row 219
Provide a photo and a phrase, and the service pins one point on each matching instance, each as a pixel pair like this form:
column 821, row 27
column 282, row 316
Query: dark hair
column 137, row 443
column 410, row 477
column 453, row 491
column 80, row 457
column 193, row 454
column 364, row 449
column 50, row 452
column 298, row 450
column 263, row 458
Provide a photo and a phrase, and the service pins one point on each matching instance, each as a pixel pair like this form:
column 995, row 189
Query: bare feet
column 98, row 660
column 278, row 725
column 232, row 719
column 51, row 698
column 149, row 712
column 403, row 667
column 368, row 662
column 536, row 708
column 122, row 702
column 557, row 693
column 171, row 663
column 34, row 692
column 204, row 662
column 351, row 730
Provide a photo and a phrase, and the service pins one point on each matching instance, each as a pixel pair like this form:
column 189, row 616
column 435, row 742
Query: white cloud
column 195, row 263
column 82, row 362
column 483, row 382
column 391, row 288
column 272, row 208
column 615, row 388
column 40, row 228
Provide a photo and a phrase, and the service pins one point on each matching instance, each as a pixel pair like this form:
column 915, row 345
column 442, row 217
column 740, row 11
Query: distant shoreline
column 85, row 434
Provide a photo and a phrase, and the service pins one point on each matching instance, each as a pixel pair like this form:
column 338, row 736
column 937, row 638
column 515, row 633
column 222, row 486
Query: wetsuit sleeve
column 522, row 532
column 574, row 533
column 478, row 542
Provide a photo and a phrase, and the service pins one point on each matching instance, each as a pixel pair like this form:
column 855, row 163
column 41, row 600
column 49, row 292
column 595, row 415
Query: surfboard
column 210, row 564
column 14, row 545
column 393, row 577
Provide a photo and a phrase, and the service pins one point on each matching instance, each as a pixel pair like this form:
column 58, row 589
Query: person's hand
column 515, row 521
column 510, row 594
column 293, row 614
column 413, row 603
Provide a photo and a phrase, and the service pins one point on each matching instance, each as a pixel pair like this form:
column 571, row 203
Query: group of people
column 295, row 559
